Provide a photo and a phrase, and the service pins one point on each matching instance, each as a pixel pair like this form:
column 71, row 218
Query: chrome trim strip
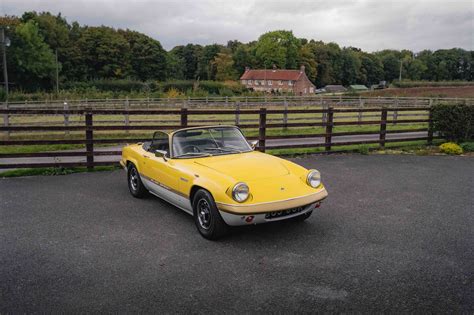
column 264, row 203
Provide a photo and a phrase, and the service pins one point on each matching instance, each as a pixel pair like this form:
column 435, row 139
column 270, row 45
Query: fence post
column 361, row 106
column 329, row 125
column 66, row 116
column 430, row 126
column 237, row 113
column 127, row 117
column 395, row 112
column 89, row 141
column 184, row 117
column 285, row 114
column 6, row 121
column 262, row 126
column 383, row 126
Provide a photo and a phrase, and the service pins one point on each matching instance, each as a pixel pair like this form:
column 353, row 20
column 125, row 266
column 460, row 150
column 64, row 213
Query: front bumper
column 258, row 213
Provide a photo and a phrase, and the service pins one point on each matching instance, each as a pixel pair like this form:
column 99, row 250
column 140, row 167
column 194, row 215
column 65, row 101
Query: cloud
column 367, row 24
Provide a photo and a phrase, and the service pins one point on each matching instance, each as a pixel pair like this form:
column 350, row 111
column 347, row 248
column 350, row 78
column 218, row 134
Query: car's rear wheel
column 206, row 216
column 135, row 185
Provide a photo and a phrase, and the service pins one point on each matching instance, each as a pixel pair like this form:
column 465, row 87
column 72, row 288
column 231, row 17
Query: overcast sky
column 368, row 24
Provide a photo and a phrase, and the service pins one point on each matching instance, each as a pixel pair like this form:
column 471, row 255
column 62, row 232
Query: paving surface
column 396, row 234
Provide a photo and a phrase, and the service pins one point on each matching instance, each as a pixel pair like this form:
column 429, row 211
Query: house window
column 270, row 82
column 249, row 82
column 290, row 82
column 244, row 82
column 262, row 82
column 256, row 82
column 280, row 82
column 311, row 90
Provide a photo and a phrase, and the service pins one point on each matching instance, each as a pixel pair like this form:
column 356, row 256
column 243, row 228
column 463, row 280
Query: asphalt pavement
column 395, row 235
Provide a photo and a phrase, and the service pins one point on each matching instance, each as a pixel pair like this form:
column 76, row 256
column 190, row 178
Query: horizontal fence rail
column 89, row 135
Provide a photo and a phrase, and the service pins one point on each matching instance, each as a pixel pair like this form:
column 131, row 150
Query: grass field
column 439, row 91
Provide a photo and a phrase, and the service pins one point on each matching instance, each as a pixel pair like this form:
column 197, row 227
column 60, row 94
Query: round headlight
column 314, row 178
column 240, row 192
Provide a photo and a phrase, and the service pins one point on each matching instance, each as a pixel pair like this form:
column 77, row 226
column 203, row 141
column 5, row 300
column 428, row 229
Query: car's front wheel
column 206, row 216
column 135, row 185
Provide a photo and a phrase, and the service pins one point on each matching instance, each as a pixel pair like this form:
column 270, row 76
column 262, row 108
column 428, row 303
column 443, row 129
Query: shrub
column 363, row 149
column 450, row 148
column 454, row 122
column 467, row 146
column 109, row 85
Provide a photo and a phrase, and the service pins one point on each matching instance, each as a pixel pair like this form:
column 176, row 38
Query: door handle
column 146, row 156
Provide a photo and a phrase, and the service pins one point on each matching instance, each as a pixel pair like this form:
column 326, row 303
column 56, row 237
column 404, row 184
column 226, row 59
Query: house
column 278, row 80
column 358, row 87
column 335, row 89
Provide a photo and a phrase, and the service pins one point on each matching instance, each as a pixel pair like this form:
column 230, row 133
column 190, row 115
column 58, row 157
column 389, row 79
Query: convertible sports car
column 215, row 175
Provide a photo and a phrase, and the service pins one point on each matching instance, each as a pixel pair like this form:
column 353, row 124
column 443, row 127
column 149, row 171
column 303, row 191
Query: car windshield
column 209, row 141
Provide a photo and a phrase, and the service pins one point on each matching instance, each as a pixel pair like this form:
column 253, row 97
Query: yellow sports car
column 215, row 175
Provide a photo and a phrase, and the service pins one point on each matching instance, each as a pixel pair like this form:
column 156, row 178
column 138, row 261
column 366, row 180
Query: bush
column 3, row 94
column 450, row 148
column 363, row 149
column 108, row 85
column 454, row 122
column 467, row 146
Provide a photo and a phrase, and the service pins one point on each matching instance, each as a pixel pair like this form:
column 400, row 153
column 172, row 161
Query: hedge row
column 454, row 122
column 410, row 84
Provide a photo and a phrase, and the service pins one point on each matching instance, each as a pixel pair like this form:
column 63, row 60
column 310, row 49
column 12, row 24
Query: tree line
column 42, row 43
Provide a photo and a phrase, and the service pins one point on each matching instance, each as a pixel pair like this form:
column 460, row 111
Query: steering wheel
column 191, row 148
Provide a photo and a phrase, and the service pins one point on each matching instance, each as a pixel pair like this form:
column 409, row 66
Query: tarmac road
column 395, row 234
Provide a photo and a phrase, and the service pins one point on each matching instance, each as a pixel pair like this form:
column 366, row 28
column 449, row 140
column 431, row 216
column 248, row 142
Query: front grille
column 283, row 213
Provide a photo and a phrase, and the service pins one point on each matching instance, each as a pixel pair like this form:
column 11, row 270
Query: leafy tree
column 149, row 58
column 205, row 70
column 306, row 58
column 105, row 52
column 31, row 61
column 371, row 71
column 279, row 48
column 243, row 57
column 224, row 65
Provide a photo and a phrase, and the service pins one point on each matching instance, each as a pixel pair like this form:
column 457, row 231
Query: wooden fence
column 92, row 132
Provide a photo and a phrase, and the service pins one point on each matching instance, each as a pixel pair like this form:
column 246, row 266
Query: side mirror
column 162, row 154
column 253, row 144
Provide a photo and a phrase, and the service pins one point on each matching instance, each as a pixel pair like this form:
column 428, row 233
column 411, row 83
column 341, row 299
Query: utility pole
column 400, row 75
column 5, row 41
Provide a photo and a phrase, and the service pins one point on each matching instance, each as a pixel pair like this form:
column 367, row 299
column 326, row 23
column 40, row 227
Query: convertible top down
column 215, row 175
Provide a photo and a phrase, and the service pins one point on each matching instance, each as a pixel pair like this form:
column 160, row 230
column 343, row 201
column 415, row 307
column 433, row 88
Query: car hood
column 246, row 166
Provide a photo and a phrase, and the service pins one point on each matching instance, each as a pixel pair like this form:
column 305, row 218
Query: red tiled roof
column 271, row 75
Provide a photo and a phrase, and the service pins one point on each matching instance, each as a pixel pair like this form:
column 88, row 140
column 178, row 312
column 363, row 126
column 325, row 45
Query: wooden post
column 237, row 113
column 395, row 112
column 127, row 116
column 262, row 125
column 383, row 126
column 6, row 121
column 184, row 117
column 66, row 116
column 430, row 126
column 329, row 125
column 285, row 114
column 361, row 106
column 89, row 141
column 324, row 115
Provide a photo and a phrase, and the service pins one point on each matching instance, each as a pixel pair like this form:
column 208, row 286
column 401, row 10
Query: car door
column 162, row 175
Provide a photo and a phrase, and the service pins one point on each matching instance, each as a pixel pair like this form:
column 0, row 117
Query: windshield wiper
column 194, row 154
column 226, row 149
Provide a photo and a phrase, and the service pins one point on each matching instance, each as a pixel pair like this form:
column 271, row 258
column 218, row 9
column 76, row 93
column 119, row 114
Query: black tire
column 135, row 184
column 206, row 216
column 303, row 217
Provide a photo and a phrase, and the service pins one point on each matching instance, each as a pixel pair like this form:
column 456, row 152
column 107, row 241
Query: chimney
column 302, row 68
column 247, row 69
